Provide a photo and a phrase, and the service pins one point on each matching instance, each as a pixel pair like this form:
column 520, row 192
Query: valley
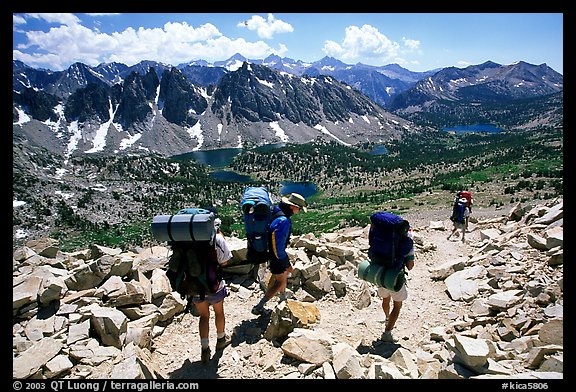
column 111, row 200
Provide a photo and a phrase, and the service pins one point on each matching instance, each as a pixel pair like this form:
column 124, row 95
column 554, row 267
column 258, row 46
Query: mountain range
column 153, row 107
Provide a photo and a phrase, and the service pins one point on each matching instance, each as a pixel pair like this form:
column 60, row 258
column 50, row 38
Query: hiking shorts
column 279, row 266
column 397, row 296
column 212, row 298
column 460, row 225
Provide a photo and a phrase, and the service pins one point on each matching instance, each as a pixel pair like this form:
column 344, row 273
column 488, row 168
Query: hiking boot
column 387, row 337
column 223, row 342
column 257, row 310
column 205, row 356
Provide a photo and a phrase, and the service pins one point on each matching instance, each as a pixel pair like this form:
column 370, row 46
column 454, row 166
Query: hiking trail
column 176, row 353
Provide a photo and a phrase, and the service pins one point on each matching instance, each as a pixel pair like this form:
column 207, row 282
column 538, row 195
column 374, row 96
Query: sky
column 416, row 41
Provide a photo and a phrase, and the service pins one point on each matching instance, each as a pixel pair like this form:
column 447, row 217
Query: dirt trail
column 177, row 351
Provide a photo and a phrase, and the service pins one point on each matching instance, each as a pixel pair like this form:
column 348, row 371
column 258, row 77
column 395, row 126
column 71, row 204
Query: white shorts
column 397, row 296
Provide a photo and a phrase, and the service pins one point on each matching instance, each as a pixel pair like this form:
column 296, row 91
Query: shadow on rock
column 197, row 369
column 380, row 348
column 251, row 331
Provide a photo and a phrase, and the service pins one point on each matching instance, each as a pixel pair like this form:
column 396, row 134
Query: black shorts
column 279, row 266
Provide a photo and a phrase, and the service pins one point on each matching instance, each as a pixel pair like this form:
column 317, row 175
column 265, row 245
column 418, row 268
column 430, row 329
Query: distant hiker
column 391, row 245
column 469, row 201
column 279, row 232
column 459, row 217
column 202, row 305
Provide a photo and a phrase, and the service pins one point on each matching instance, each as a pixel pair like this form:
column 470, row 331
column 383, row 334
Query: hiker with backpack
column 461, row 209
column 199, row 249
column 216, row 300
column 279, row 232
column 392, row 247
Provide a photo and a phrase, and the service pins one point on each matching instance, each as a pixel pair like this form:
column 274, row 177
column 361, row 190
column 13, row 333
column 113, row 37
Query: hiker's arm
column 409, row 259
column 280, row 234
column 222, row 250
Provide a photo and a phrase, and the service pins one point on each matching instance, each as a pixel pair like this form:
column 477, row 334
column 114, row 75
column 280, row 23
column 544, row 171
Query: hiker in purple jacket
column 397, row 297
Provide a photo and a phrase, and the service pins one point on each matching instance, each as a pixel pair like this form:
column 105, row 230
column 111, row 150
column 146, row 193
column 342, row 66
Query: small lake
column 221, row 157
column 229, row 176
column 306, row 189
column 379, row 150
column 486, row 128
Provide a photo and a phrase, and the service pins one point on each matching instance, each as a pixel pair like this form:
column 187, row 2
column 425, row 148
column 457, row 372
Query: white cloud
column 266, row 28
column 411, row 44
column 174, row 43
column 365, row 41
column 17, row 19
column 333, row 49
column 65, row 19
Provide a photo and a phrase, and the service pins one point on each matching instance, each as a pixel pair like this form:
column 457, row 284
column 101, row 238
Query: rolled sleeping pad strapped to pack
column 390, row 279
column 371, row 273
column 184, row 227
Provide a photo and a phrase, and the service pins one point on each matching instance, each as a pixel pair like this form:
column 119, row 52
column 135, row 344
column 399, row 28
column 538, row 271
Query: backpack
column 388, row 240
column 459, row 210
column 467, row 195
column 193, row 267
column 257, row 215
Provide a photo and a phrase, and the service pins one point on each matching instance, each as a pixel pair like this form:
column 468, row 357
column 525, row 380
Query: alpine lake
column 219, row 159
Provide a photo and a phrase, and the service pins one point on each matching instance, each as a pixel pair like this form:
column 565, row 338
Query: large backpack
column 465, row 194
column 388, row 240
column 193, row 267
column 257, row 208
column 459, row 210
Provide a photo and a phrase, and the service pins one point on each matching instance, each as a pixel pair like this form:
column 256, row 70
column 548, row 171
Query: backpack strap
column 276, row 215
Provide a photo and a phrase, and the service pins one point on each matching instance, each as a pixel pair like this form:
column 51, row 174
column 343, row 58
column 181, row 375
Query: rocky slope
column 491, row 307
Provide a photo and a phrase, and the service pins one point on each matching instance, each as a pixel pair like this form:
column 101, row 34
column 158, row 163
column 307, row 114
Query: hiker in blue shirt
column 280, row 230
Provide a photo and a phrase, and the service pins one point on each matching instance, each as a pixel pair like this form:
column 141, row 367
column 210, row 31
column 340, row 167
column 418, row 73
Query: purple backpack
column 388, row 239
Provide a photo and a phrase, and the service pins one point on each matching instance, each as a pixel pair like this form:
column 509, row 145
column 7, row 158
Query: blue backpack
column 458, row 211
column 257, row 214
column 388, row 240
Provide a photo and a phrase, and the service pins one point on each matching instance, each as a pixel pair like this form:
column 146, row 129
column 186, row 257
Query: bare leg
column 219, row 318
column 386, row 306
column 277, row 286
column 394, row 315
column 203, row 324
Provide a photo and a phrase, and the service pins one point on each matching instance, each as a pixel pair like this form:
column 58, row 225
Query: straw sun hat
column 295, row 199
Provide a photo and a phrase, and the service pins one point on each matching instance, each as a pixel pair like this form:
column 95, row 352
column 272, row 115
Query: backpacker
column 257, row 209
column 459, row 210
column 388, row 240
column 192, row 268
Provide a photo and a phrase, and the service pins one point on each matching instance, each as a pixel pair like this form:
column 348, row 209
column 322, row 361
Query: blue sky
column 418, row 42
